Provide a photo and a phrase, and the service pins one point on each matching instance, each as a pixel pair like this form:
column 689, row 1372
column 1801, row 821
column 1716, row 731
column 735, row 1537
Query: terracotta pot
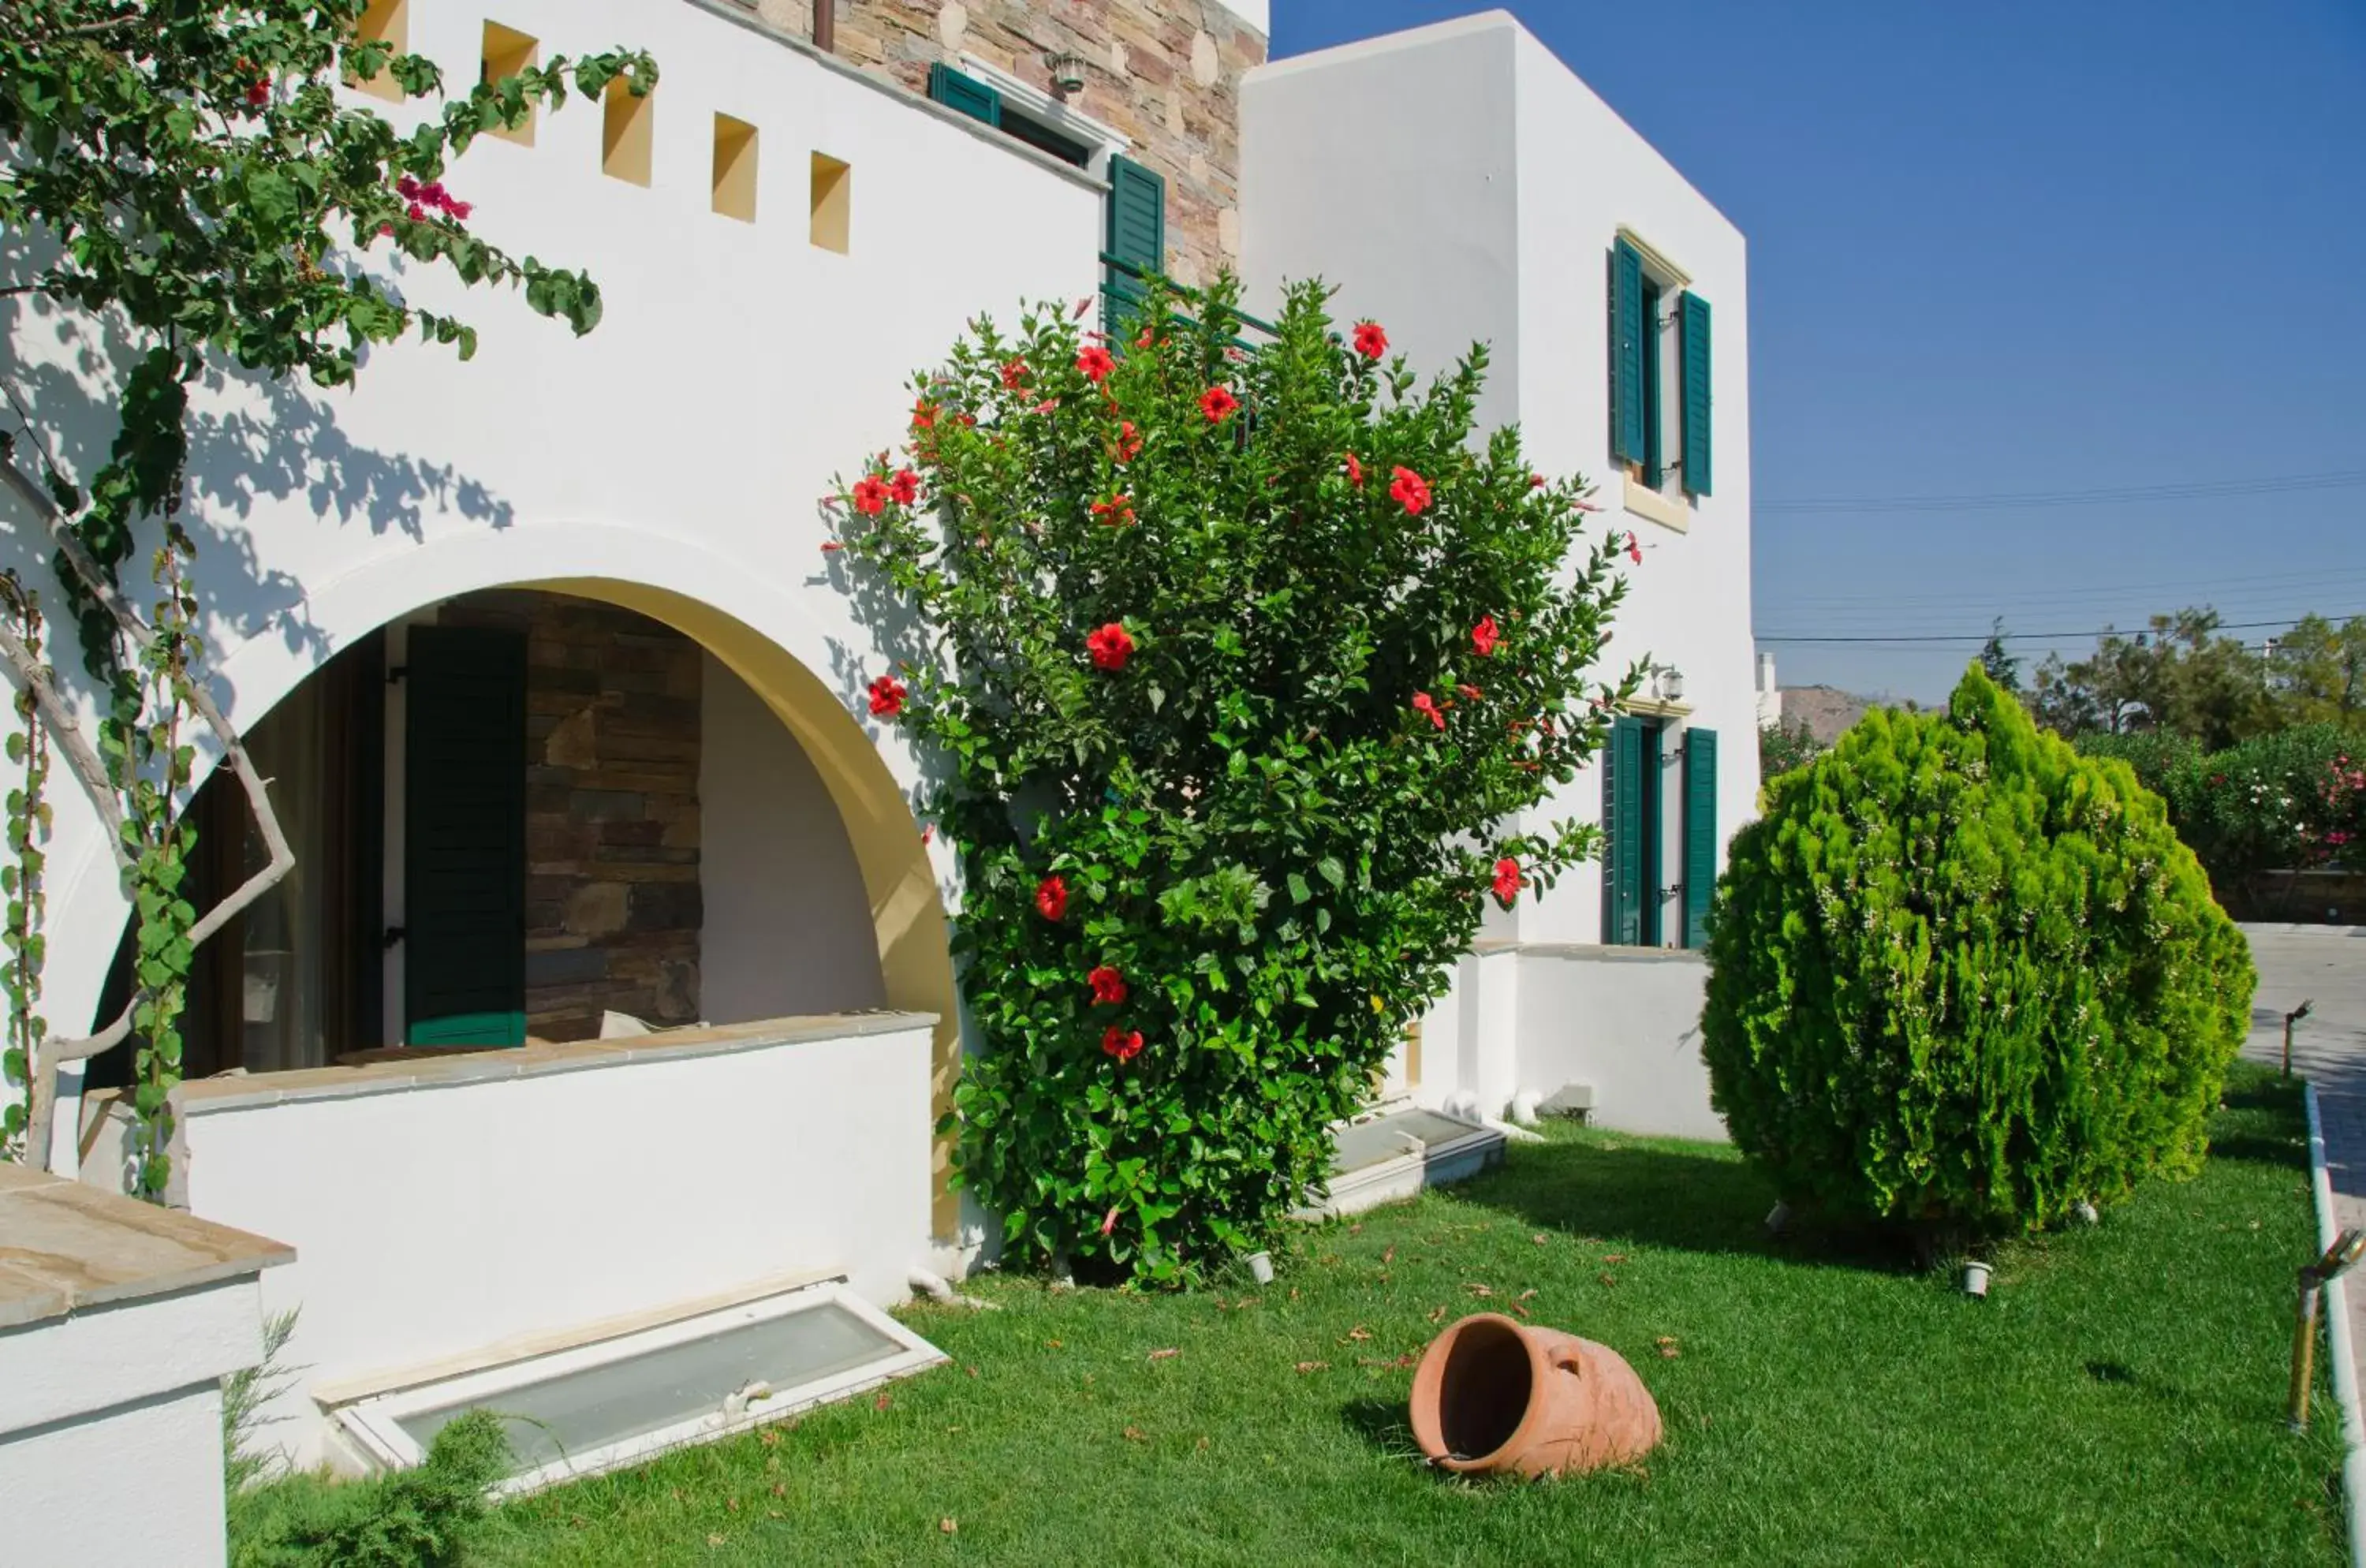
column 1496, row 1396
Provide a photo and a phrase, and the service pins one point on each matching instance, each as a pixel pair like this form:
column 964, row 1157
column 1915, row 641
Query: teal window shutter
column 1622, row 818
column 1136, row 236
column 1627, row 421
column 1700, row 832
column 965, row 93
column 464, row 837
column 1693, row 326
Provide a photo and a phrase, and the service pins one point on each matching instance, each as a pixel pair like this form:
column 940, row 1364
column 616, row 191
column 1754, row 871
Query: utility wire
column 2012, row 637
column 2198, row 489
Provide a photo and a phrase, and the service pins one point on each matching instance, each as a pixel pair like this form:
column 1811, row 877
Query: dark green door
column 463, row 838
column 1630, row 820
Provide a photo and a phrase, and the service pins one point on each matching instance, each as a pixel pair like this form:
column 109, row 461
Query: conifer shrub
column 1962, row 976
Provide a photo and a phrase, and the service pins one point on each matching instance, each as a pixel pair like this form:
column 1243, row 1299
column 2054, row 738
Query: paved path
column 2326, row 964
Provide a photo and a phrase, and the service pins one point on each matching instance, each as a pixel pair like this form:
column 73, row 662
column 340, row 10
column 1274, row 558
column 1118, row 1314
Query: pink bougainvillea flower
column 1051, row 898
column 886, row 697
column 1014, row 373
column 904, row 487
column 1109, row 647
column 1354, row 471
column 1634, row 548
column 1422, row 703
column 1410, row 490
column 1370, row 340
column 416, row 213
column 1095, row 361
column 870, row 495
column 1083, row 305
column 407, row 187
column 1129, row 445
column 1122, row 1044
column 1218, row 403
column 258, row 94
column 1109, row 986
column 1485, row 636
column 1117, row 511
column 1507, row 881
column 459, row 209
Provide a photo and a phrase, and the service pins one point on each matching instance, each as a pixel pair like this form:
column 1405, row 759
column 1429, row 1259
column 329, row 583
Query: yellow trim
column 907, row 915
column 1661, row 269
column 1652, row 708
column 1644, row 502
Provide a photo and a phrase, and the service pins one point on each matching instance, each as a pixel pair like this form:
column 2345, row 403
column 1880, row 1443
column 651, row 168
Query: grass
column 2116, row 1400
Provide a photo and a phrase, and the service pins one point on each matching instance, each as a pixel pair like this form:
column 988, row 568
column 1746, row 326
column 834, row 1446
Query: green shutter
column 1622, row 819
column 464, row 837
column 965, row 95
column 1693, row 357
column 1626, row 423
column 1136, row 235
column 1700, row 832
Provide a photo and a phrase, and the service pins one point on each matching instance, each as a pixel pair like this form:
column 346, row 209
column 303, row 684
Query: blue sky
column 2015, row 249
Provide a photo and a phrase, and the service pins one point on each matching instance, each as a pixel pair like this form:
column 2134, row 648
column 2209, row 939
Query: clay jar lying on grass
column 1494, row 1396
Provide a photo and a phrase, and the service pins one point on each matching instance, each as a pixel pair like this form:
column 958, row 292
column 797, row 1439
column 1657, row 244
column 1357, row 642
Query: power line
column 2213, row 589
column 2012, row 637
column 2197, row 490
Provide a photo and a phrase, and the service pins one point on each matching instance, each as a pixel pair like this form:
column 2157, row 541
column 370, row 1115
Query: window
column 1636, row 901
column 506, row 52
column 1660, row 363
column 387, row 22
column 833, row 203
column 626, row 132
column 735, row 168
column 618, row 1401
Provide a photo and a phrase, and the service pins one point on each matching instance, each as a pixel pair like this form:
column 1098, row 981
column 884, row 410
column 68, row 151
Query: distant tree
column 1783, row 747
column 2182, row 675
column 1998, row 665
column 2319, row 672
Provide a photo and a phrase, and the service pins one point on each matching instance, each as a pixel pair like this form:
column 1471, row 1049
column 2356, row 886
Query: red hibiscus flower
column 1013, row 372
column 1117, row 511
column 924, row 415
column 1422, row 703
column 1111, row 647
column 1129, row 445
column 1634, row 549
column 1051, row 898
column 1109, row 986
column 258, row 94
column 1470, row 693
column 904, row 487
column 1123, row 1044
column 870, row 495
column 1218, row 403
column 1370, row 340
column 1535, row 481
column 1095, row 361
column 1354, row 471
column 1410, row 490
column 1485, row 636
column 831, row 546
column 886, row 697
column 1145, row 341
column 1507, row 881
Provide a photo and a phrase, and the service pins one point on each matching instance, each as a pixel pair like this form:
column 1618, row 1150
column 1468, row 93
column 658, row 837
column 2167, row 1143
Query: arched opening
column 523, row 816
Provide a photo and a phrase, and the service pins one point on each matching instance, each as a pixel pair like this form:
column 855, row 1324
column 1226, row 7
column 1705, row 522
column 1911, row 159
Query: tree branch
column 58, row 1050
column 79, row 754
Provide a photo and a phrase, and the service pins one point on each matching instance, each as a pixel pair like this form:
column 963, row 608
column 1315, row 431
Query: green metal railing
column 1117, row 298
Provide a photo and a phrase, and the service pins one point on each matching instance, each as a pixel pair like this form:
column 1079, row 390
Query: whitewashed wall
column 1460, row 182
column 435, row 1217
column 786, row 929
column 683, row 445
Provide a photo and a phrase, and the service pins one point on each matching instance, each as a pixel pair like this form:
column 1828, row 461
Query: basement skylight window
column 618, row 1402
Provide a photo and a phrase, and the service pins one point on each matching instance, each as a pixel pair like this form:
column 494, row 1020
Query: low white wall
column 788, row 927
column 122, row 1395
column 1625, row 1020
column 435, row 1219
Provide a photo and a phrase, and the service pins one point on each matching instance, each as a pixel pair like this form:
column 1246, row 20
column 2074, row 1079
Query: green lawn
column 2117, row 1398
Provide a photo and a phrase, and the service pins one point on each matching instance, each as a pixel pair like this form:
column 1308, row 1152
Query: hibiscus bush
column 1242, row 669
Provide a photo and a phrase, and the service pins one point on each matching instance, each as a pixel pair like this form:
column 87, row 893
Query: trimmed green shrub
column 1962, row 976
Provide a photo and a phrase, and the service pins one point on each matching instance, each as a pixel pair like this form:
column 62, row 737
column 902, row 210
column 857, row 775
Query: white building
column 1464, row 186
column 562, row 612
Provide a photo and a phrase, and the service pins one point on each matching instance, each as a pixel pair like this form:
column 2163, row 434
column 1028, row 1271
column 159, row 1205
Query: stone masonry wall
column 613, row 724
column 1167, row 72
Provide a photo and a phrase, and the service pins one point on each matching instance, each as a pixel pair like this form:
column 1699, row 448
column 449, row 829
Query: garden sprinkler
column 2338, row 1259
column 2291, row 1017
